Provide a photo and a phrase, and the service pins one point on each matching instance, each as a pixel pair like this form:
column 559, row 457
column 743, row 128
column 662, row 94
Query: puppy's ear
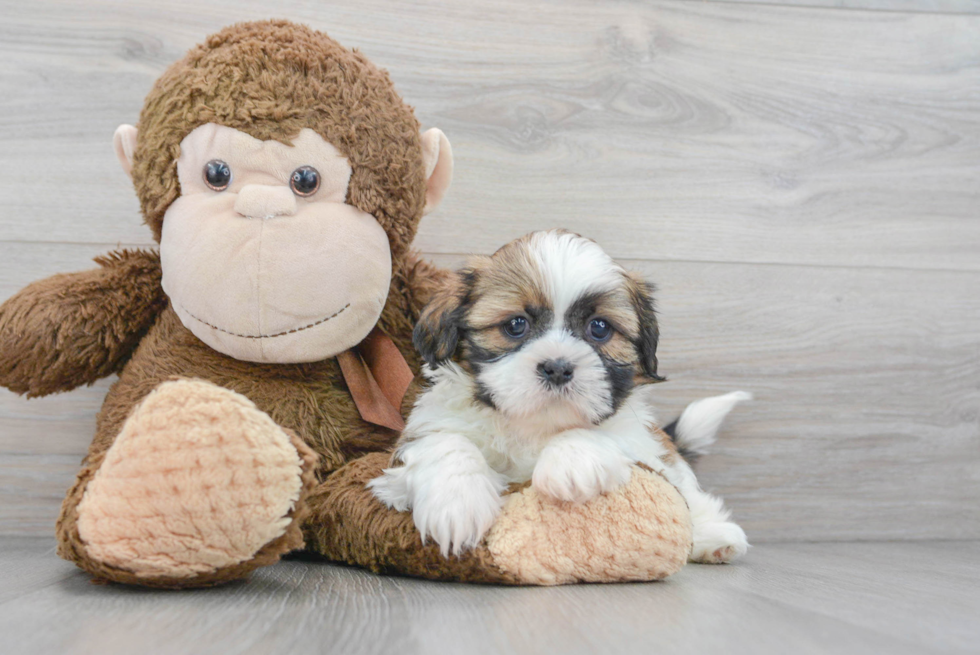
column 641, row 295
column 436, row 334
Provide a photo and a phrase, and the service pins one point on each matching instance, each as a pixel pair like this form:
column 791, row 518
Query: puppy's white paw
column 456, row 512
column 718, row 542
column 576, row 466
column 391, row 489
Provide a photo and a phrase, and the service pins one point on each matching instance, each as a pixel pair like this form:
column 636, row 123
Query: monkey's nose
column 263, row 201
column 556, row 372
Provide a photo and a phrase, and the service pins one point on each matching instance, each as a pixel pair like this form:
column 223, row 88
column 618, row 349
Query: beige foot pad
column 198, row 480
column 640, row 532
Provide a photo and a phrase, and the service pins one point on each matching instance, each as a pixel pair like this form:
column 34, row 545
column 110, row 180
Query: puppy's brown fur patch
column 437, row 332
column 506, row 284
column 670, row 457
column 641, row 296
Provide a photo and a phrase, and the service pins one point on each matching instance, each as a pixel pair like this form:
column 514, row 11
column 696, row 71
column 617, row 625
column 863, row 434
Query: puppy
column 534, row 355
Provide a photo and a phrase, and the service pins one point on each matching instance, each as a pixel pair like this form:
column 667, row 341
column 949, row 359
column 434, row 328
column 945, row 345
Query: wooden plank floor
column 783, row 598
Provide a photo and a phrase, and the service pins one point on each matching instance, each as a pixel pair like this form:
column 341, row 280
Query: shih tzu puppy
column 534, row 355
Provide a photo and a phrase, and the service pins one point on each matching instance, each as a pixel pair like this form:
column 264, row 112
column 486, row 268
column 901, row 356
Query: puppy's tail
column 697, row 427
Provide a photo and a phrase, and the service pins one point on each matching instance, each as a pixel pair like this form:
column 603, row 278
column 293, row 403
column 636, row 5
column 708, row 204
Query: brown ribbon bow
column 377, row 376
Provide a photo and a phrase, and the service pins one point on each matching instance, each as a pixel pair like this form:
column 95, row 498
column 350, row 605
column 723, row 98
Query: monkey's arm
column 73, row 329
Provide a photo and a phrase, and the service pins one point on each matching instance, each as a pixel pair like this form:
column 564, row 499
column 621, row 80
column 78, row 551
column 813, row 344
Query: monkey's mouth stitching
column 269, row 336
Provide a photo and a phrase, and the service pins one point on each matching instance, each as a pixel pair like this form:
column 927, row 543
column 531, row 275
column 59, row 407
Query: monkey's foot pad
column 199, row 482
column 639, row 532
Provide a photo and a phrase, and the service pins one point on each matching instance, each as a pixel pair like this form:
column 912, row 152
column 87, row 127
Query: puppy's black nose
column 556, row 372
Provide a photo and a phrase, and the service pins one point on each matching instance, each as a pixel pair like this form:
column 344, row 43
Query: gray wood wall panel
column 801, row 182
column 914, row 6
column 723, row 132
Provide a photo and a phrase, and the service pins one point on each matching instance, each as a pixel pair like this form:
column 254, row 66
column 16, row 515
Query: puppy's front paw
column 457, row 512
column 718, row 542
column 576, row 467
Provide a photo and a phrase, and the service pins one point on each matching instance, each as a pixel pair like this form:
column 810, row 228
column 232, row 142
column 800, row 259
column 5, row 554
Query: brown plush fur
column 350, row 525
column 270, row 79
column 311, row 399
column 76, row 328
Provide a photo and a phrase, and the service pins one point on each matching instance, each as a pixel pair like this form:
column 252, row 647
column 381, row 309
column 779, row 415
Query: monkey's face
column 272, row 252
column 262, row 257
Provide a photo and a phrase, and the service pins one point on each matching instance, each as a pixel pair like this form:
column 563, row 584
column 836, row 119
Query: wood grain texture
column 801, row 182
column 915, row 6
column 793, row 598
column 671, row 130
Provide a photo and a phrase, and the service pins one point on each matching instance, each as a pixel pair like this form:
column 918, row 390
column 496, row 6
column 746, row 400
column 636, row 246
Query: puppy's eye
column 516, row 327
column 599, row 329
column 304, row 181
column 217, row 175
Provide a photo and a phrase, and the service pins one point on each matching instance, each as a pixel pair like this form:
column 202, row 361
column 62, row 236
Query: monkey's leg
column 198, row 488
column 639, row 532
column 348, row 524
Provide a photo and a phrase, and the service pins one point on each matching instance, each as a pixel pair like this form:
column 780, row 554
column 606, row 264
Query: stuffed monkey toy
column 264, row 351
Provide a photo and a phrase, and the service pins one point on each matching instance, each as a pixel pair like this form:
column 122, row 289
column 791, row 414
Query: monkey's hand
column 73, row 329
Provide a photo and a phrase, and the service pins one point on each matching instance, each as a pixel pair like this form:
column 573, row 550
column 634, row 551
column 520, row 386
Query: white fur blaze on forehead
column 572, row 266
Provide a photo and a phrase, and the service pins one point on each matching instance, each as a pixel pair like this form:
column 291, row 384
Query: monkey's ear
column 438, row 157
column 436, row 334
column 124, row 143
column 641, row 295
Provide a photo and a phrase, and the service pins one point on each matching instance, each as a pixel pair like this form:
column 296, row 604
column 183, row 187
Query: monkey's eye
column 599, row 329
column 516, row 327
column 304, row 181
column 217, row 175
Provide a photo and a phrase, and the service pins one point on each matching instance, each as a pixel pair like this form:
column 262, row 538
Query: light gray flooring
column 863, row 597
